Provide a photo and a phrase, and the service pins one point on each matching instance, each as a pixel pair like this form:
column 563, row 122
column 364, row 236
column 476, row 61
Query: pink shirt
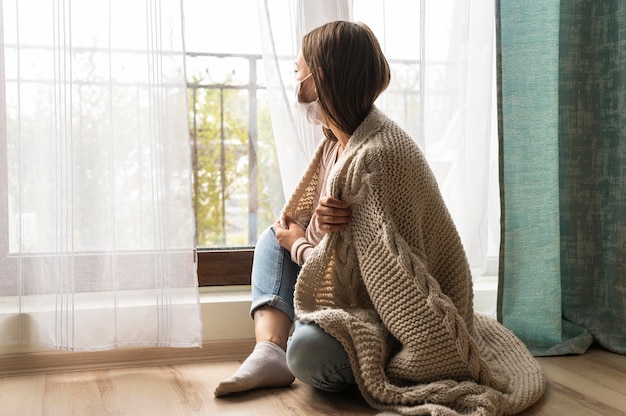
column 303, row 246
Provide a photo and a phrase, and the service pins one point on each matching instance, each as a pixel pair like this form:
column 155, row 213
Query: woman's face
column 307, row 92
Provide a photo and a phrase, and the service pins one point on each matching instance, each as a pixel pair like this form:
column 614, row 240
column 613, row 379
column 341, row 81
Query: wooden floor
column 593, row 384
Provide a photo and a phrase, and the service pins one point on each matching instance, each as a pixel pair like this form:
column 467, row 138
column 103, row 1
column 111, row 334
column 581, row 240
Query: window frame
column 226, row 266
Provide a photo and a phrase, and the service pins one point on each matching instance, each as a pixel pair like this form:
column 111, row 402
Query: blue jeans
column 313, row 356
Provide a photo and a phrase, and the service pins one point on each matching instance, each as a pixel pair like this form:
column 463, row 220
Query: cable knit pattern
column 395, row 289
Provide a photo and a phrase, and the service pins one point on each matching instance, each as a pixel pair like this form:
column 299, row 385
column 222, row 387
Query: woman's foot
column 265, row 367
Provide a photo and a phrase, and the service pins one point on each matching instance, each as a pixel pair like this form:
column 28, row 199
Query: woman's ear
column 320, row 73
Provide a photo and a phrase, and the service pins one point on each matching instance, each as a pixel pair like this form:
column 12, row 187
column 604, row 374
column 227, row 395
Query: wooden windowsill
column 224, row 267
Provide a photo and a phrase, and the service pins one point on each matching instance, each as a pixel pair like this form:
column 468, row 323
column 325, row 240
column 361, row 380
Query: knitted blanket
column 395, row 288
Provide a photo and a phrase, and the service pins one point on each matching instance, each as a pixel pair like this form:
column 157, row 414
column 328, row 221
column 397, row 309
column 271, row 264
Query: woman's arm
column 331, row 215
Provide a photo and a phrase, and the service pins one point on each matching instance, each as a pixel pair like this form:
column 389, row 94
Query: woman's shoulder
column 377, row 126
column 387, row 149
column 385, row 136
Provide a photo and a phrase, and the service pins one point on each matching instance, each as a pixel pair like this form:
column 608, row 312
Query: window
column 237, row 185
column 236, row 181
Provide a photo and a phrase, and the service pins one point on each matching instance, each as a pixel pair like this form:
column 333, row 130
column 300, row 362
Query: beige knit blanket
column 395, row 289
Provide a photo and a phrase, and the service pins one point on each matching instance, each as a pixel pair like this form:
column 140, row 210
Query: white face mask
column 311, row 111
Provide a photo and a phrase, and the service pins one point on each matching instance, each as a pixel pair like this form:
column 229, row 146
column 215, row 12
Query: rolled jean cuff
column 275, row 302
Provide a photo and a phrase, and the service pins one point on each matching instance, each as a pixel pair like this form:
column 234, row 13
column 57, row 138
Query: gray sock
column 265, row 367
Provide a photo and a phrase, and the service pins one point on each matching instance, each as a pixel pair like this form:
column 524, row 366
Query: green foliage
column 220, row 149
column 271, row 196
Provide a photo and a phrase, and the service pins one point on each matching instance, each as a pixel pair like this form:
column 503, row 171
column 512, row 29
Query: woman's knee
column 318, row 359
column 305, row 343
column 267, row 239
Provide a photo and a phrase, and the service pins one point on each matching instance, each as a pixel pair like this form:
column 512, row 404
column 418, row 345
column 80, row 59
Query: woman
column 384, row 293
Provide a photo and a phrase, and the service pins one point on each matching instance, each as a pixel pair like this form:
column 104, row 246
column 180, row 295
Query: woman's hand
column 332, row 214
column 288, row 234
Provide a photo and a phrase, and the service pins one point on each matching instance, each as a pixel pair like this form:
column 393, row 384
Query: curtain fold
column 442, row 60
column 283, row 24
column 97, row 246
column 561, row 70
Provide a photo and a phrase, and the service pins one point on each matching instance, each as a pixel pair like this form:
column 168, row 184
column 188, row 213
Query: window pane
column 237, row 187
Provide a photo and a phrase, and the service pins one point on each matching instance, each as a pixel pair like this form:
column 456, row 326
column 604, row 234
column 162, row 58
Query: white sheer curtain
column 283, row 23
column 96, row 222
column 442, row 59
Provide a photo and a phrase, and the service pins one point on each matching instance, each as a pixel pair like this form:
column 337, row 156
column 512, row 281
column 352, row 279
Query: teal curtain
column 562, row 120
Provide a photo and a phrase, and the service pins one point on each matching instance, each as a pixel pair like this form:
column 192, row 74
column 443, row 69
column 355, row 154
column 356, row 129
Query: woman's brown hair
column 353, row 73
